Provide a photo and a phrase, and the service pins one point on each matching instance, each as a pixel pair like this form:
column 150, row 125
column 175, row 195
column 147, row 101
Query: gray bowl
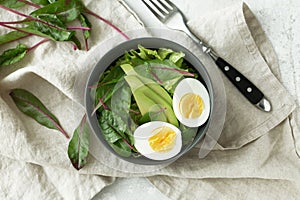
column 118, row 51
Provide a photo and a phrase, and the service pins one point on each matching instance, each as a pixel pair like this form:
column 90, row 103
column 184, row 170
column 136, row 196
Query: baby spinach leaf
column 78, row 148
column 11, row 36
column 31, row 106
column 11, row 3
column 11, row 56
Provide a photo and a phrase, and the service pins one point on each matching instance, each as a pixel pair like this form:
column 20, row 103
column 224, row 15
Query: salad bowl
column 109, row 59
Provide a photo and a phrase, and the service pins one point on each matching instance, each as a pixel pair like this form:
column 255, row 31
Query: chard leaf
column 76, row 41
column 165, row 72
column 11, row 3
column 11, row 36
column 107, row 84
column 58, row 34
column 52, row 1
column 31, row 106
column 40, row 2
column 112, row 126
column 121, row 148
column 120, row 103
column 12, row 56
column 65, row 10
column 85, row 23
column 78, row 148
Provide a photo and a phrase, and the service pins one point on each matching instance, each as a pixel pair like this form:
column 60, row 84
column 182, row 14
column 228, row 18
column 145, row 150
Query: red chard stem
column 79, row 28
column 38, row 44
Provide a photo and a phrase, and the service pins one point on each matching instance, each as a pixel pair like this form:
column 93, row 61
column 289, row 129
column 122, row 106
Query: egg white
column 191, row 85
column 145, row 131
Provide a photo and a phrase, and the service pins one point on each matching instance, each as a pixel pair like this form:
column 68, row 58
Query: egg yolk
column 163, row 139
column 191, row 106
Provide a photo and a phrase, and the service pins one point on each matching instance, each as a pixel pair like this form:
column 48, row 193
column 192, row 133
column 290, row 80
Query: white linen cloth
column 256, row 156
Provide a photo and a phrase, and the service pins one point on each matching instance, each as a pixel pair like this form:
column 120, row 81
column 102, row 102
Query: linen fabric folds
column 256, row 156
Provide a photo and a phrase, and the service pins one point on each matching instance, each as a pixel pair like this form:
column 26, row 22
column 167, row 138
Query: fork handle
column 246, row 87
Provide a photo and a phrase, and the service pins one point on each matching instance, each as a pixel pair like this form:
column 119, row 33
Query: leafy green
column 85, row 23
column 188, row 134
column 121, row 148
column 78, row 148
column 107, row 84
column 114, row 131
column 31, row 106
column 58, row 34
column 163, row 66
column 11, row 36
column 66, row 11
column 11, row 3
column 41, row 2
column 112, row 126
column 14, row 55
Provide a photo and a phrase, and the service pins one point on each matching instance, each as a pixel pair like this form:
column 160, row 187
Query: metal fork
column 173, row 18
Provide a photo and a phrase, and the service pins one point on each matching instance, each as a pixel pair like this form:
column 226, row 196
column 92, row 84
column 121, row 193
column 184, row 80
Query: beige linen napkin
column 256, row 152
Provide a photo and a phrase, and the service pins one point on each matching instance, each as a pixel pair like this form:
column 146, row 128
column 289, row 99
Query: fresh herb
column 78, row 148
column 50, row 21
column 31, row 106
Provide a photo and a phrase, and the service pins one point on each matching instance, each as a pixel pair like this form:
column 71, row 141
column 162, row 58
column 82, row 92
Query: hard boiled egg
column 191, row 102
column 158, row 140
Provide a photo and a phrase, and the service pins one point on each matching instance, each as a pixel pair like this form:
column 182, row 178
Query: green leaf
column 78, row 148
column 12, row 56
column 107, row 84
column 85, row 23
column 52, row 1
column 121, row 148
column 76, row 41
column 12, row 3
column 120, row 103
column 112, row 126
column 40, row 2
column 31, row 106
column 188, row 134
column 65, row 10
column 11, row 36
column 58, row 34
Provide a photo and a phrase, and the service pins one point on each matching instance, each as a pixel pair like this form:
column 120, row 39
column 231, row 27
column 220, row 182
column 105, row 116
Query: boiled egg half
column 191, row 103
column 158, row 140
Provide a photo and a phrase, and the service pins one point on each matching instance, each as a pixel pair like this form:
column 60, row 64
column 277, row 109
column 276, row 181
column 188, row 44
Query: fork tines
column 162, row 9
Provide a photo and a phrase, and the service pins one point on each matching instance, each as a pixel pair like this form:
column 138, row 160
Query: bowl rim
column 97, row 70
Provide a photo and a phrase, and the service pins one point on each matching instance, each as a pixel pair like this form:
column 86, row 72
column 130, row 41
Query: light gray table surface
column 281, row 21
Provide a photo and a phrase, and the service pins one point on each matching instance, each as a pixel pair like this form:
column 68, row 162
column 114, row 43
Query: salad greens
column 34, row 108
column 136, row 89
column 78, row 148
column 50, row 20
